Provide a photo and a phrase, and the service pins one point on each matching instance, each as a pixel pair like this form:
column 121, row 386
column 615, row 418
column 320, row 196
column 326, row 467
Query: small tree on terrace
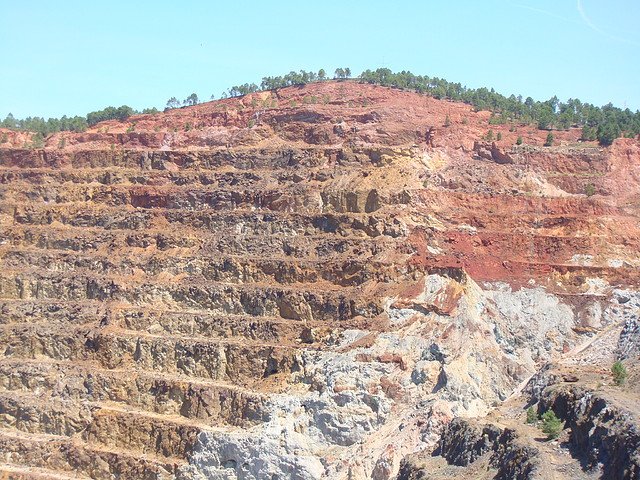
column 551, row 425
column 490, row 135
column 590, row 191
column 322, row 75
column 550, row 139
column 532, row 416
column 619, row 372
column 339, row 73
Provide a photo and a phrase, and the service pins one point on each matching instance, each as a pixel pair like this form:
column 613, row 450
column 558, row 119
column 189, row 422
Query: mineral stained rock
column 317, row 282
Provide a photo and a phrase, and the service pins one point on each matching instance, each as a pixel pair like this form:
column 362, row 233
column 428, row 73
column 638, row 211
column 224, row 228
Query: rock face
column 599, row 420
column 306, row 283
column 464, row 443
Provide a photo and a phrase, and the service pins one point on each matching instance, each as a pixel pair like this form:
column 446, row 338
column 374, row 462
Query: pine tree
column 550, row 139
column 551, row 425
column 191, row 100
column 173, row 102
column 619, row 373
column 532, row 416
column 588, row 134
column 607, row 133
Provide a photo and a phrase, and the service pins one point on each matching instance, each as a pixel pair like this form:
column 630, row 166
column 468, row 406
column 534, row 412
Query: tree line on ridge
column 604, row 123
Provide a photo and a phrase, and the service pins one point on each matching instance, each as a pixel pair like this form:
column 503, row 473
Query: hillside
column 322, row 114
column 319, row 281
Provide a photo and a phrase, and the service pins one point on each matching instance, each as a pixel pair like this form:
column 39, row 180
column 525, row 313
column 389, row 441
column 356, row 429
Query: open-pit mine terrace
column 310, row 290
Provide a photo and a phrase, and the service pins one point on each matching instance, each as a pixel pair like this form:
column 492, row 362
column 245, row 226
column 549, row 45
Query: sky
column 70, row 58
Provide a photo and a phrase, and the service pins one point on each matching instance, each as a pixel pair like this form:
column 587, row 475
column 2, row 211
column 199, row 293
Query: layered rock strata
column 290, row 308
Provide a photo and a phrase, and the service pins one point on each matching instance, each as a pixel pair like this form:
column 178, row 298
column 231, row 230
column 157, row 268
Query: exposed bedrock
column 304, row 310
column 503, row 455
column 599, row 420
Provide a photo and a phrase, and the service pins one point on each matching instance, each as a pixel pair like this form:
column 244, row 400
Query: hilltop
column 330, row 113
column 604, row 124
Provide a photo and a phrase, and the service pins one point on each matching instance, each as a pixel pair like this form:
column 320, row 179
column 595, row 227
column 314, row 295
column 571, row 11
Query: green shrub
column 37, row 140
column 251, row 123
column 496, row 120
column 589, row 189
column 551, row 425
column 5, row 138
column 447, row 121
column 490, row 136
column 619, row 372
column 519, row 141
column 499, row 137
column 532, row 416
column 464, row 121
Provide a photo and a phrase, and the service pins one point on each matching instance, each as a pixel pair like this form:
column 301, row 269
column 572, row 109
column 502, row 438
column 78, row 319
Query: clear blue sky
column 74, row 57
